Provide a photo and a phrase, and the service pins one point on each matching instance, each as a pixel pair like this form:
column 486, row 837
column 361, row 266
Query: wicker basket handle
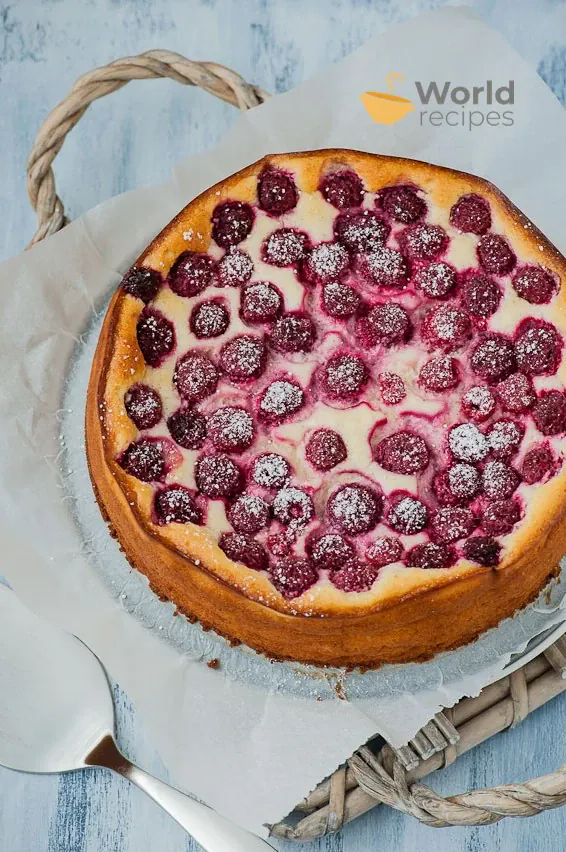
column 474, row 808
column 216, row 79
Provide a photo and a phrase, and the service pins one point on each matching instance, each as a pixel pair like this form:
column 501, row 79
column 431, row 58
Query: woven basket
column 374, row 774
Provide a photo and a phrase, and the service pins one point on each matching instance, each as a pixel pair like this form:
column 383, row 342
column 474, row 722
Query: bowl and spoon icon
column 386, row 107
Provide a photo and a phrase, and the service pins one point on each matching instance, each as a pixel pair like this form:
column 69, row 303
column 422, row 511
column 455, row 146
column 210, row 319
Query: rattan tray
column 376, row 773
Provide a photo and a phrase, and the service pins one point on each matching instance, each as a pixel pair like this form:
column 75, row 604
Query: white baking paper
column 251, row 738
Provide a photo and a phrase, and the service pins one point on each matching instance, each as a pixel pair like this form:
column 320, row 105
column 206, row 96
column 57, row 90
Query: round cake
column 326, row 414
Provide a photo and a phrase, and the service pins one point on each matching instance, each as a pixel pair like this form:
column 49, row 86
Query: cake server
column 57, row 715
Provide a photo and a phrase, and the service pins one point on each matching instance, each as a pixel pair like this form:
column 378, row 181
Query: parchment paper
column 250, row 738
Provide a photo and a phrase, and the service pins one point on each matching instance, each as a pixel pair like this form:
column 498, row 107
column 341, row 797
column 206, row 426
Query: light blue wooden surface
column 130, row 140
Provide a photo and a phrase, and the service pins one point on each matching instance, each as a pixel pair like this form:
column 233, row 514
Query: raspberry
column 324, row 262
column 402, row 452
column 176, row 504
column 536, row 464
column 439, row 374
column 384, row 267
column 142, row 282
column 355, row 576
column 538, row 347
column 270, row 470
column 280, row 400
column 325, row 449
column 187, row 428
column 340, row 300
column 330, row 551
column 471, row 214
column 483, row 550
column 424, row 242
column 494, row 358
column 407, row 515
column 386, row 324
column 191, row 273
column 145, row 460
column 292, row 507
column 361, row 230
column 345, row 375
column 504, row 438
column 463, row 481
column 249, row 514
column 244, row 357
column 384, row 551
column 231, row 223
column 495, row 254
column 143, row 406
column 480, row 296
column 277, row 192
column 156, row 336
column 342, row 189
column 292, row 576
column 285, row 247
column 243, row 548
column 231, row 429
column 451, row 524
column 436, row 280
column 516, row 393
column 467, row 443
column 392, row 388
column 549, row 413
column 218, row 476
column 355, row 509
column 535, row 284
column 209, row 319
column 499, row 518
column 429, row 556
column 478, row 403
column 499, row 480
column 261, row 302
column 195, row 377
column 446, row 327
column 234, row 268
column 403, row 204
column 293, row 332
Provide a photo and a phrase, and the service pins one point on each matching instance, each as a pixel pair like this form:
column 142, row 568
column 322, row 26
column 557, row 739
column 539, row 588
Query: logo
column 386, row 107
column 454, row 106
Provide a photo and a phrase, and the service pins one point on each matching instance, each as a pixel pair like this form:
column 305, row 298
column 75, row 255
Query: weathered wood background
column 130, row 140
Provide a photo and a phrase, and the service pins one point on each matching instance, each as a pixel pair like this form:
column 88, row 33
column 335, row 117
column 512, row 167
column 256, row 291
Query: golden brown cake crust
column 416, row 613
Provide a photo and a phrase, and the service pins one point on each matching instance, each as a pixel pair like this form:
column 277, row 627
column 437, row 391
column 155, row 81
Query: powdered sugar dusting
column 281, row 399
column 285, row 247
column 408, row 515
column 327, row 261
column 504, row 437
column 468, row 443
column 387, row 267
column 463, row 480
column 235, row 268
column 231, row 428
column 271, row 470
column 293, row 507
column 355, row 509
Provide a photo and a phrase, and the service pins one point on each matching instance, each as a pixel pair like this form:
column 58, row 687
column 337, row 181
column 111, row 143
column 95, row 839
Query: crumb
column 213, row 664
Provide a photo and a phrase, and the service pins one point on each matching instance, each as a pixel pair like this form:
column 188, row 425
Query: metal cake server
column 57, row 715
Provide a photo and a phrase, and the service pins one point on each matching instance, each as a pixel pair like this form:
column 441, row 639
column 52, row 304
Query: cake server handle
column 212, row 831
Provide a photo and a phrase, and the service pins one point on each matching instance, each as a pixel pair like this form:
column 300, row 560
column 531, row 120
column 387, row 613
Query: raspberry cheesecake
column 326, row 415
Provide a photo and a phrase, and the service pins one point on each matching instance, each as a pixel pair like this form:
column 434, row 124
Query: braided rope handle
column 216, row 79
column 479, row 807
